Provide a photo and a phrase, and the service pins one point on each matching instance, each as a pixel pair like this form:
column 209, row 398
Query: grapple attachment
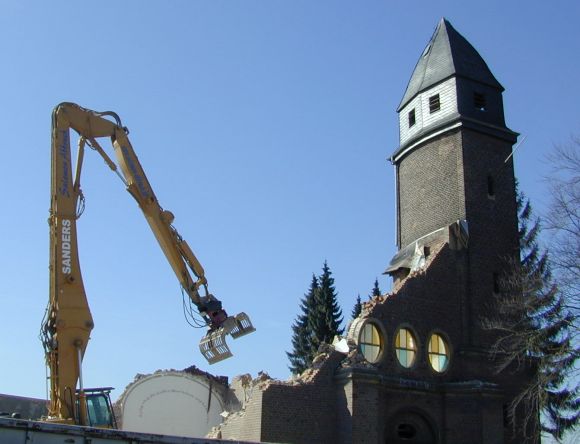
column 213, row 345
column 243, row 326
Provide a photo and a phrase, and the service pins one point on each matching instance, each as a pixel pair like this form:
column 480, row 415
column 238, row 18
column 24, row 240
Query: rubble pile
column 355, row 359
column 193, row 370
column 368, row 306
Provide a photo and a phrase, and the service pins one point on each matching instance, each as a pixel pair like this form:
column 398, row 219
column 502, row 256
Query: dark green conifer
column 301, row 356
column 534, row 328
column 356, row 310
column 318, row 322
column 376, row 291
column 325, row 323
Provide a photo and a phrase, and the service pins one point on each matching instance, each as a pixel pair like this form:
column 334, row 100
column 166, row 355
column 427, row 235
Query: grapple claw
column 213, row 345
column 243, row 326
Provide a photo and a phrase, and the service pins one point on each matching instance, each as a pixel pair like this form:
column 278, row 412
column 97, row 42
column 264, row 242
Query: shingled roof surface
column 447, row 54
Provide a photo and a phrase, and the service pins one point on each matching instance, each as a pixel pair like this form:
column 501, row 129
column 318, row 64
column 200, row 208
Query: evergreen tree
column 357, row 308
column 534, row 328
column 376, row 291
column 301, row 356
column 318, row 322
column 327, row 316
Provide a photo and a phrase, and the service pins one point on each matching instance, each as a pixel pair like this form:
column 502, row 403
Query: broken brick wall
column 470, row 393
column 302, row 410
column 245, row 425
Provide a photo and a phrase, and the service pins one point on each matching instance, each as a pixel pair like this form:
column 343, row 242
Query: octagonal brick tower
column 452, row 167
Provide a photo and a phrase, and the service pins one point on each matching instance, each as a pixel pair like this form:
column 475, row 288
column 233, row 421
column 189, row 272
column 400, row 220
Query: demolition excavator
column 67, row 324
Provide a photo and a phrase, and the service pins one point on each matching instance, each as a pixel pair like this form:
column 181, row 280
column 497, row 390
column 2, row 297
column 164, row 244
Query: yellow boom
column 68, row 322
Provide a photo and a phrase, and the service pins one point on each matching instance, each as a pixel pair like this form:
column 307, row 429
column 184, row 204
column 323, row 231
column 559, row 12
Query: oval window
column 438, row 353
column 405, row 347
column 371, row 342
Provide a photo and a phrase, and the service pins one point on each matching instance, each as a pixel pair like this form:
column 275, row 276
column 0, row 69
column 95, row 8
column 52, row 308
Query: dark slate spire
column 447, row 54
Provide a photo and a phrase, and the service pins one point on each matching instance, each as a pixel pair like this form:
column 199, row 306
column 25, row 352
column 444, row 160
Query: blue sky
column 265, row 127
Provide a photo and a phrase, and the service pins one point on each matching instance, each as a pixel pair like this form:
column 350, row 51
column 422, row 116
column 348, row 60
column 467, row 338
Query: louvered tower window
column 434, row 104
column 412, row 119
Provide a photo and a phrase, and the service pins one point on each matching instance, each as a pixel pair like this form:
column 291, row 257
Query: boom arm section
column 68, row 322
column 180, row 256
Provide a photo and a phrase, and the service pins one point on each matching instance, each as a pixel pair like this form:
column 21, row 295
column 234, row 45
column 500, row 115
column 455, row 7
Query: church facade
column 420, row 367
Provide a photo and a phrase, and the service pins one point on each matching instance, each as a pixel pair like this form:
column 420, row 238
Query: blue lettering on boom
column 64, row 152
column 138, row 177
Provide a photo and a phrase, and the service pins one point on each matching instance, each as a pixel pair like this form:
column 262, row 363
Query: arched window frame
column 356, row 331
column 416, row 350
column 447, row 343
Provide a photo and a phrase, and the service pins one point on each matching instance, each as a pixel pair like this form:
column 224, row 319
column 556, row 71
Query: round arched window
column 371, row 342
column 405, row 347
column 438, row 353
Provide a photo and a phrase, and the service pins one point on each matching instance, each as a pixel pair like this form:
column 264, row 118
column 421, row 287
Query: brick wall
column 448, row 178
column 246, row 425
column 430, row 188
column 302, row 411
column 344, row 402
column 492, row 221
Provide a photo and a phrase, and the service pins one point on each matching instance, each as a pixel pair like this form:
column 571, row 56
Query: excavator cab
column 213, row 345
column 97, row 409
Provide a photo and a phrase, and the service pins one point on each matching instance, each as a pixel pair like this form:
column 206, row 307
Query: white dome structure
column 170, row 402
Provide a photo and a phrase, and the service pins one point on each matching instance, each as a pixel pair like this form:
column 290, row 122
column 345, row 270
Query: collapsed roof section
column 413, row 257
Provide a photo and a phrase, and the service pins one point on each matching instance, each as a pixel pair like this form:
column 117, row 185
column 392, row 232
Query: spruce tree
column 534, row 328
column 301, row 356
column 318, row 322
column 376, row 291
column 327, row 317
column 356, row 310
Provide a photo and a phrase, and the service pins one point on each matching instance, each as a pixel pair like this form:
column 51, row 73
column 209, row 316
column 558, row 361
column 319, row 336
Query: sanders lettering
column 65, row 245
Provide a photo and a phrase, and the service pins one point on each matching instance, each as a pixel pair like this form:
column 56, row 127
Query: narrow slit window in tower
column 490, row 186
column 496, row 283
column 434, row 104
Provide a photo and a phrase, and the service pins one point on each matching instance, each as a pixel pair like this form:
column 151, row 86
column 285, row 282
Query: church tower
column 457, row 232
column 453, row 166
column 451, row 114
